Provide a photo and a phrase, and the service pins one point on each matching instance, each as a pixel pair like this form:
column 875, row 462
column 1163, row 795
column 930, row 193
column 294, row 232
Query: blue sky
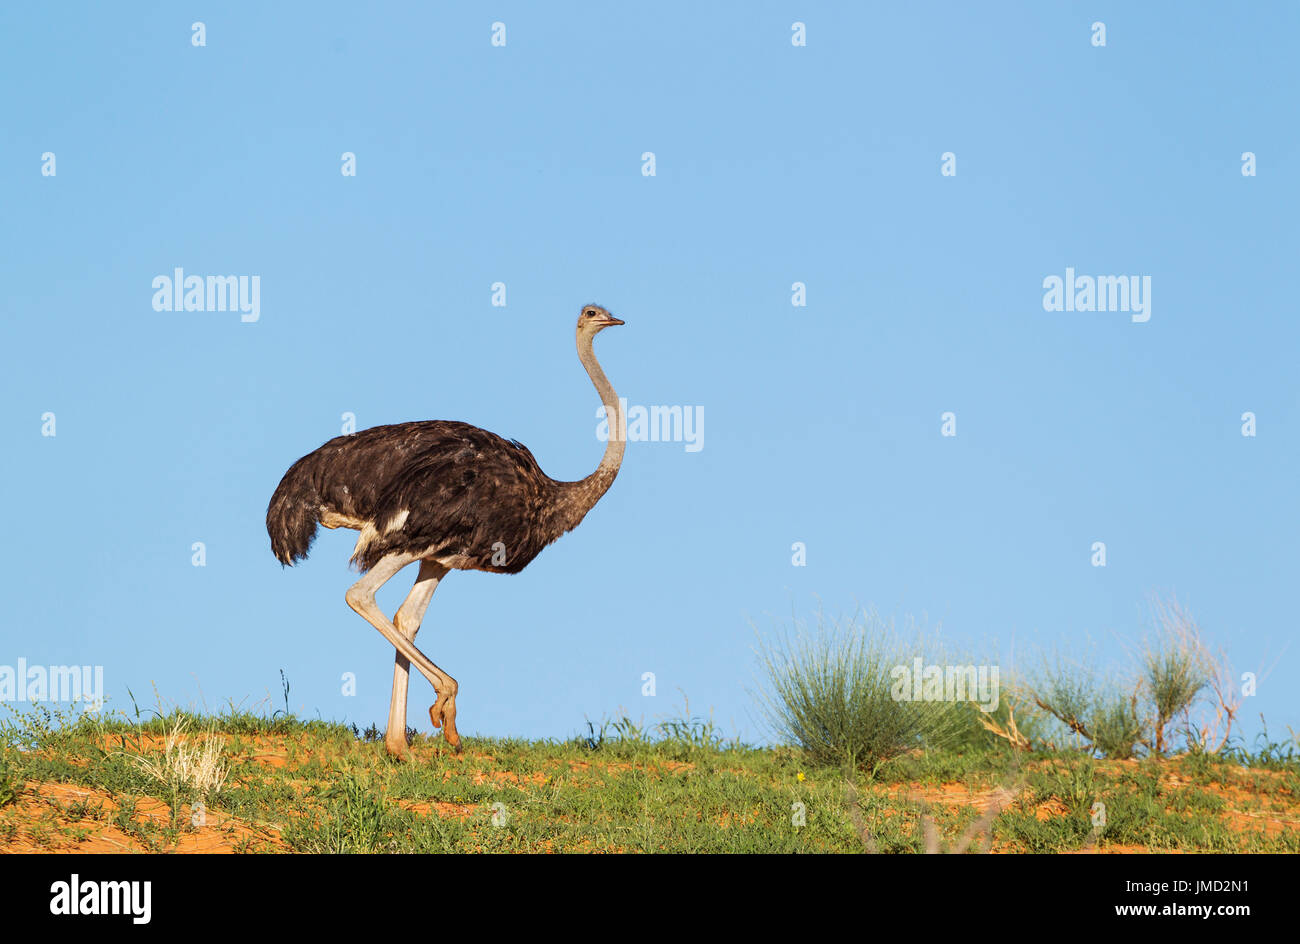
column 774, row 164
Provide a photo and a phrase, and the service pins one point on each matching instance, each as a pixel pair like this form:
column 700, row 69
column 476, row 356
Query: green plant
column 353, row 821
column 1176, row 669
column 9, row 785
column 1066, row 690
column 837, row 694
column 1116, row 729
column 284, row 687
column 1175, row 672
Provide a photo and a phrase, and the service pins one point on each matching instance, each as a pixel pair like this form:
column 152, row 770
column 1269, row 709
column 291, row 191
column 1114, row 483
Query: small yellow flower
column 800, row 776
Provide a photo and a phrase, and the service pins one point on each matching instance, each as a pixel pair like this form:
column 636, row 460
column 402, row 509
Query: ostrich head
column 593, row 319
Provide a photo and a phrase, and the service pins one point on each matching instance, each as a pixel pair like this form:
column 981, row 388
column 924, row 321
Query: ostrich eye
column 591, row 314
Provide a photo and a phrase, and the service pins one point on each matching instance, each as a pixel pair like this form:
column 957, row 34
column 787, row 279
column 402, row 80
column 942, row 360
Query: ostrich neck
column 579, row 497
column 614, row 447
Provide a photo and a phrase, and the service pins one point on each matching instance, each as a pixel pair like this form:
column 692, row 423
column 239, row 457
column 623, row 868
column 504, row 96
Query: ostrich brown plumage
column 447, row 494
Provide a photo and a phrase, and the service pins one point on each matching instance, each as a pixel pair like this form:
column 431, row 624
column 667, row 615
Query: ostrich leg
column 407, row 621
column 361, row 597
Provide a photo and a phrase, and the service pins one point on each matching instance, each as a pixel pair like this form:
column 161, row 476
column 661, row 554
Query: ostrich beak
column 609, row 320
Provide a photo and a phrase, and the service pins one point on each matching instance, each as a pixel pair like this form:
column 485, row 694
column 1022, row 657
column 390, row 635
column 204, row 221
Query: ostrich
column 447, row 494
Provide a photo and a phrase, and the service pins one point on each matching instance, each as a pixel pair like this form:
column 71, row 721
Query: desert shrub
column 1068, row 691
column 1116, row 728
column 1012, row 723
column 9, row 786
column 1132, row 711
column 1176, row 669
column 834, row 693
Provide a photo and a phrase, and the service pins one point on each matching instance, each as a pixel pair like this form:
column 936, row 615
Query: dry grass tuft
column 184, row 763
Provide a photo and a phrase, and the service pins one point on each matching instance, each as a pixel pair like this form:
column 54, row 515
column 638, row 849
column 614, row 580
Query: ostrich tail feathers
column 292, row 517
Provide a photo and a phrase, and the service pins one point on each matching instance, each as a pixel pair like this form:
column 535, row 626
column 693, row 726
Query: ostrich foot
column 443, row 715
column 396, row 746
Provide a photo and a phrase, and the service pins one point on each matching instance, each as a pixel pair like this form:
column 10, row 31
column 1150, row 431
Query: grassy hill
column 245, row 783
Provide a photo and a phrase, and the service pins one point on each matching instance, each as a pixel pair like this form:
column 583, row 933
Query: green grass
column 9, row 786
column 313, row 786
